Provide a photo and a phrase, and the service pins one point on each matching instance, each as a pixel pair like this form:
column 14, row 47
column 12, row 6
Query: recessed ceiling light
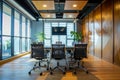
column 44, row 5
column 74, row 5
column 48, row 16
column 70, row 16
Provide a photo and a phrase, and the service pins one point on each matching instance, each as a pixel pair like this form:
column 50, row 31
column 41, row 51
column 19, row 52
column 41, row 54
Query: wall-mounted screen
column 58, row 30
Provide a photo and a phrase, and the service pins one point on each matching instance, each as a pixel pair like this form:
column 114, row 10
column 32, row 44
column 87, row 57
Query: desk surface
column 65, row 47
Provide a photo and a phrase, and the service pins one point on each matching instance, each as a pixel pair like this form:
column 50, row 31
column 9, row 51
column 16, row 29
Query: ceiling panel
column 44, row 4
column 75, row 4
column 70, row 15
column 48, row 15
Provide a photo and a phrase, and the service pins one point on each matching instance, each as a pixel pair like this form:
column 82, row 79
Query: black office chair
column 37, row 52
column 80, row 52
column 58, row 53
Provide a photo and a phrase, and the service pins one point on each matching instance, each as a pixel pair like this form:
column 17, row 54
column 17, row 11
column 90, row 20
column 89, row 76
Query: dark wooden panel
column 97, row 29
column 79, row 25
column 107, row 30
column 85, row 29
column 117, row 32
column 91, row 33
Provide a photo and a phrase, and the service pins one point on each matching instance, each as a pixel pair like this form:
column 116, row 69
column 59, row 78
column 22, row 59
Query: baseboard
column 13, row 58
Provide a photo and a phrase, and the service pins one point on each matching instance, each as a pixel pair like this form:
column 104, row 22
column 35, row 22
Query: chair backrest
column 58, row 51
column 58, row 42
column 80, row 51
column 37, row 51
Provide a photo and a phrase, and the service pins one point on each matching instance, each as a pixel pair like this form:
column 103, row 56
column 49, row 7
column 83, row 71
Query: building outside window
column 16, row 33
column 21, row 37
column 6, row 32
column 52, row 39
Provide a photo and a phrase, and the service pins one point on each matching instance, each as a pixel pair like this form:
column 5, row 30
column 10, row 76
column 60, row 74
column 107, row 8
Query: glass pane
column 28, row 29
column 55, row 24
column 17, row 24
column 47, row 43
column 62, row 24
column 47, row 30
column 70, row 43
column 6, row 47
column 16, row 45
column 6, row 20
column 63, row 39
column 23, row 45
column 28, row 45
column 54, row 39
column 23, row 26
column 70, row 27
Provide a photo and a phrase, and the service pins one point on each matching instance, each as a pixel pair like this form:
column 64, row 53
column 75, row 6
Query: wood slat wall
column 104, row 27
column 117, row 32
column 91, row 33
column 107, row 30
column 97, row 29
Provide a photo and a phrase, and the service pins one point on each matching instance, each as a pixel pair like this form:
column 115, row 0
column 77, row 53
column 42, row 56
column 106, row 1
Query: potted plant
column 40, row 37
column 77, row 36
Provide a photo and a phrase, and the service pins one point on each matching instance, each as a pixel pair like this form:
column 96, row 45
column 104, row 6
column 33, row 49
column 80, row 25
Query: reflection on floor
column 18, row 70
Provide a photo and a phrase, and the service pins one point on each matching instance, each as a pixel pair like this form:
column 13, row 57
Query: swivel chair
column 58, row 53
column 37, row 52
column 80, row 52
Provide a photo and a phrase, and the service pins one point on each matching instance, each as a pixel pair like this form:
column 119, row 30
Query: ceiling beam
column 91, row 4
column 55, row 11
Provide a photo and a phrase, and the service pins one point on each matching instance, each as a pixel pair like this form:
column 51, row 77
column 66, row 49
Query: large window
column 23, row 44
column 6, row 29
column 17, row 24
column 23, row 27
column 28, row 44
column 6, row 47
column 28, row 28
column 19, row 41
column 16, row 33
column 47, row 31
column 28, row 35
column 52, row 39
column 6, row 32
column 16, row 45
column 70, row 27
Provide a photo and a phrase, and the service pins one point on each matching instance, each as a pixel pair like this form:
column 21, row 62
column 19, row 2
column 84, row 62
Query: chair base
column 38, row 67
column 79, row 66
column 57, row 67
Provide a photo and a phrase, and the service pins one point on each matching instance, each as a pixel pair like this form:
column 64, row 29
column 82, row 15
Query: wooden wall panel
column 83, row 27
column 86, row 35
column 97, row 29
column 117, row 32
column 107, row 30
column 91, row 33
column 79, row 26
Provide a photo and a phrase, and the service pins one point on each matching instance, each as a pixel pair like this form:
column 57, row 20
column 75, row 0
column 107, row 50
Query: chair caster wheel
column 47, row 69
column 34, row 69
column 75, row 73
column 50, row 68
column 65, row 68
column 87, row 72
column 29, row 73
column 64, row 72
column 51, row 73
column 40, row 73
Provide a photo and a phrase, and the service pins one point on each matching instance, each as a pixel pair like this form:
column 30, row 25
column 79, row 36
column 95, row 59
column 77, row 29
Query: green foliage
column 40, row 37
column 77, row 36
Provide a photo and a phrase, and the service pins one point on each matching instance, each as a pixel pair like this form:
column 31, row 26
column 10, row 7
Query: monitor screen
column 58, row 30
